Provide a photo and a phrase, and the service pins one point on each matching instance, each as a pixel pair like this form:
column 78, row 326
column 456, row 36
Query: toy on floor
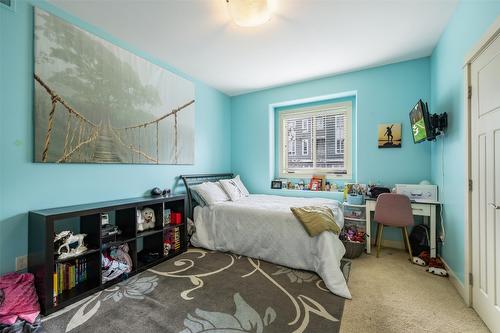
column 70, row 245
column 145, row 219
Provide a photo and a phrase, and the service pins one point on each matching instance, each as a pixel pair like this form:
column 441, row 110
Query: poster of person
column 389, row 135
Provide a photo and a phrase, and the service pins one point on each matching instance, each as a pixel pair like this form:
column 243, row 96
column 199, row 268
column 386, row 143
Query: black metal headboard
column 190, row 180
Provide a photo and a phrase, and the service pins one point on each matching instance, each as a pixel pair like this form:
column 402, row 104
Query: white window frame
column 342, row 108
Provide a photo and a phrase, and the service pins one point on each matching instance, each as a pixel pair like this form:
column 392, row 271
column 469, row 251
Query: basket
column 353, row 249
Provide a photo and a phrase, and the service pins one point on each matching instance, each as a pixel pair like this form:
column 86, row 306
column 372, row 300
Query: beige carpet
column 391, row 295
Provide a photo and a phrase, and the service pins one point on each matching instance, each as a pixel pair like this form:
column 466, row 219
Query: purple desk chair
column 393, row 210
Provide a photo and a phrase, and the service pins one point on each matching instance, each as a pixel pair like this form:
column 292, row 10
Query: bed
column 263, row 227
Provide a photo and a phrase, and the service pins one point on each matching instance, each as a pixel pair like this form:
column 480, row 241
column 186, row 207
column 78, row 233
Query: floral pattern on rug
column 202, row 291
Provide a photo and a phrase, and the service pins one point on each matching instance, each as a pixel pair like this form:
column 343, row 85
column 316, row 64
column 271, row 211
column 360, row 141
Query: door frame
column 492, row 33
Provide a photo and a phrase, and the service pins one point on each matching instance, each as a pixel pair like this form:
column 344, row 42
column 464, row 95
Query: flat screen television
column 420, row 123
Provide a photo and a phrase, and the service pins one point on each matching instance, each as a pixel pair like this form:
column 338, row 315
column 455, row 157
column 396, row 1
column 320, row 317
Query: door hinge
column 470, row 279
column 470, row 185
column 469, row 92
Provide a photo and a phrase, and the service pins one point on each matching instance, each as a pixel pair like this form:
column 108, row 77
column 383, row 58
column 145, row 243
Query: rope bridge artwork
column 79, row 131
column 96, row 102
column 127, row 134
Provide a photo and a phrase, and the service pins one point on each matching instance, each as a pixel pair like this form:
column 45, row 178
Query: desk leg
column 368, row 221
column 433, row 231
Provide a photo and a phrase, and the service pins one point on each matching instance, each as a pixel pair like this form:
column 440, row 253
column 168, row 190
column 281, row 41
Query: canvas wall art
column 389, row 135
column 98, row 103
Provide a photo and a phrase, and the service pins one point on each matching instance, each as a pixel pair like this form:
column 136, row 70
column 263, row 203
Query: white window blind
column 324, row 147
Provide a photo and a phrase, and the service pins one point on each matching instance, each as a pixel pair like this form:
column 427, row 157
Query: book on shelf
column 68, row 275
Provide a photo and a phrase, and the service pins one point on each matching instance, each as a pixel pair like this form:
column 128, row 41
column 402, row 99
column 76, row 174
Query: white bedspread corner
column 263, row 227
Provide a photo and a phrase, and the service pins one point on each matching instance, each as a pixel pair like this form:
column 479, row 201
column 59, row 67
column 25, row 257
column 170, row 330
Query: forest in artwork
column 98, row 103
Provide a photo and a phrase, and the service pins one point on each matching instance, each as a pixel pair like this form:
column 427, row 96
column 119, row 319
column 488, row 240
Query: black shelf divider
column 41, row 255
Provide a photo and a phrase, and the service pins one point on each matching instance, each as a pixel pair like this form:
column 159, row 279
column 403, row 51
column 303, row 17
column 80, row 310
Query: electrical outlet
column 21, row 263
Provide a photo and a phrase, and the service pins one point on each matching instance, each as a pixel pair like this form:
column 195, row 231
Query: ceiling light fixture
column 249, row 13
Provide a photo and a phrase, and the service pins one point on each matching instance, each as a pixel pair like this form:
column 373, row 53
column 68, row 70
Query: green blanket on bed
column 316, row 219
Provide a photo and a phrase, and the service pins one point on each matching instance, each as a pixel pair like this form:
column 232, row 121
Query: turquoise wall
column 384, row 94
column 26, row 186
column 469, row 22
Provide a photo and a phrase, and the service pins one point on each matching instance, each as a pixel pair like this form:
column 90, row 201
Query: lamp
column 249, row 13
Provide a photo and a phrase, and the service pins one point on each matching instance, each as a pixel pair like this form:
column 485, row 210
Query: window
column 325, row 146
column 305, row 125
column 305, row 147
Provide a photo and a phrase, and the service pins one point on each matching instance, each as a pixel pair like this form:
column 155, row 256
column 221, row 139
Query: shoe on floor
column 423, row 259
column 436, row 267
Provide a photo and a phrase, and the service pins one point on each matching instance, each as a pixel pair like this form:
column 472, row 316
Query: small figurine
column 67, row 242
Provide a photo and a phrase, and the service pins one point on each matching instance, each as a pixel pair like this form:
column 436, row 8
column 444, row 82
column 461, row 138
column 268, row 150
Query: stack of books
column 177, row 240
column 68, row 275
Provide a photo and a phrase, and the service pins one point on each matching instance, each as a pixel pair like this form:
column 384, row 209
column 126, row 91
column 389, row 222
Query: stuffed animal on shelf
column 145, row 219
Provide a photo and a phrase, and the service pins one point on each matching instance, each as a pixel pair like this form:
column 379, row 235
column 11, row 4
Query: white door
column 485, row 154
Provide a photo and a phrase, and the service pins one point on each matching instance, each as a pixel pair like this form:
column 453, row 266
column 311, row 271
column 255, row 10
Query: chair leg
column 407, row 239
column 379, row 239
column 376, row 235
column 404, row 238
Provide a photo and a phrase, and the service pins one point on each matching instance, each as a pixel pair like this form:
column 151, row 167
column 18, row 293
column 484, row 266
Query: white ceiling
column 305, row 39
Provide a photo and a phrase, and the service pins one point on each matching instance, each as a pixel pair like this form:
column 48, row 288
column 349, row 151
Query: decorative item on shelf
column 301, row 185
column 104, row 219
column 316, row 184
column 323, row 181
column 176, row 218
column 327, row 186
column 70, row 245
column 276, row 184
column 109, row 233
column 290, row 186
column 166, row 217
column 166, row 192
column 166, row 247
column 145, row 219
column 156, row 192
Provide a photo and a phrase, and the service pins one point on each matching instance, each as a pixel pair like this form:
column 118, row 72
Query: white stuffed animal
column 145, row 219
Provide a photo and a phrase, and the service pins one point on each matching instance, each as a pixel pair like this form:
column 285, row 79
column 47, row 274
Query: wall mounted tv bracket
column 438, row 123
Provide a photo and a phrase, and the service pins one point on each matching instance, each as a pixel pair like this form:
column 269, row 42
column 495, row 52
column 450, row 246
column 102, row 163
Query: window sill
column 309, row 194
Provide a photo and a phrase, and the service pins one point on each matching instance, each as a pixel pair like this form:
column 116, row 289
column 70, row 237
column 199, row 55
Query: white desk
column 426, row 209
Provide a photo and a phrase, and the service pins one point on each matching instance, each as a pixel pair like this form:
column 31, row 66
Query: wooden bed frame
column 190, row 180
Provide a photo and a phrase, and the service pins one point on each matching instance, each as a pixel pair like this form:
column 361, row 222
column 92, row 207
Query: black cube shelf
column 86, row 219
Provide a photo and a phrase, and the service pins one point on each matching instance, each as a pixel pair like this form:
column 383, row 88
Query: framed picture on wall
column 389, row 135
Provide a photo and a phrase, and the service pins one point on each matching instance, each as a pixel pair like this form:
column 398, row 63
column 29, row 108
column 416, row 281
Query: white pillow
column 234, row 188
column 241, row 186
column 211, row 192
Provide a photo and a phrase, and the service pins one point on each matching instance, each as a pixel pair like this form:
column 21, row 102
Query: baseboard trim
column 455, row 281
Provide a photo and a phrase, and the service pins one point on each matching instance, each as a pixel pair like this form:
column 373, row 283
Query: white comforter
column 263, row 227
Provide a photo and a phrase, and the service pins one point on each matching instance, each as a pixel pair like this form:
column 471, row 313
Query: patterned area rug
column 204, row 291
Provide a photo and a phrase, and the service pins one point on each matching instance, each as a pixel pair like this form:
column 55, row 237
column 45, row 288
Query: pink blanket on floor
column 20, row 299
